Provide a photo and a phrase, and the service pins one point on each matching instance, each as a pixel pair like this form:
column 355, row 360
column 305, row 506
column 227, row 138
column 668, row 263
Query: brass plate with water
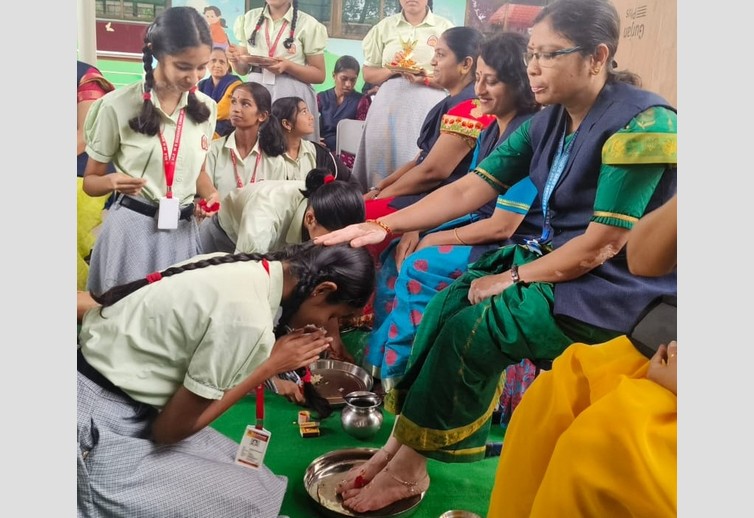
column 326, row 471
column 339, row 379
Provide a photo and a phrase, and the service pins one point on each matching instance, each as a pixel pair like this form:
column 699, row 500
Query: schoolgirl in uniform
column 167, row 354
column 157, row 134
column 293, row 43
column 302, row 155
column 252, row 151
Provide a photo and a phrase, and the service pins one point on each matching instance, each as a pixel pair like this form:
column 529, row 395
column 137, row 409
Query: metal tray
column 338, row 379
column 326, row 471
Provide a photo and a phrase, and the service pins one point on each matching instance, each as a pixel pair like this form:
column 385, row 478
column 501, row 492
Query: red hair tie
column 307, row 376
column 192, row 89
column 329, row 178
column 154, row 277
column 147, row 96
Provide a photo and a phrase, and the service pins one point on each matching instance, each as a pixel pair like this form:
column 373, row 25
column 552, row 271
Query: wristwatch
column 514, row 275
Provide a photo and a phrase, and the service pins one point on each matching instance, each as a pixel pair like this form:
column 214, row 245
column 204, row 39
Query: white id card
column 268, row 77
column 253, row 447
column 168, row 214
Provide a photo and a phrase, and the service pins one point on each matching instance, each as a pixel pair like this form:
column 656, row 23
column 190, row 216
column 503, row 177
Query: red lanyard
column 169, row 162
column 272, row 47
column 260, row 388
column 233, row 159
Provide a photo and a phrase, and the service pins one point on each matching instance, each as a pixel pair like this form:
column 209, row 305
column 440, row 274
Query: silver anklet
column 410, row 485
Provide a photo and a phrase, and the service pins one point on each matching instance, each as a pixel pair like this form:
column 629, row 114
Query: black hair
column 218, row 13
column 173, row 31
column 464, row 42
column 288, row 42
column 271, row 138
column 351, row 269
column 286, row 108
column 336, row 204
column 589, row 23
column 346, row 63
column 502, row 53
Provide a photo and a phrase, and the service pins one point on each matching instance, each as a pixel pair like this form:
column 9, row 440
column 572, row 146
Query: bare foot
column 359, row 476
column 386, row 488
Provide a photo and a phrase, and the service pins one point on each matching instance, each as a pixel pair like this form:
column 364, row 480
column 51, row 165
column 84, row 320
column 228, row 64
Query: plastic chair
column 348, row 136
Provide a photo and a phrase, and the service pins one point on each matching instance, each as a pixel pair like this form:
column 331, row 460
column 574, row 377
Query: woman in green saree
column 602, row 153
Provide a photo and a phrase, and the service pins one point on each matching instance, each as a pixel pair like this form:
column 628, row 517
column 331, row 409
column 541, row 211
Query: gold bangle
column 455, row 233
column 381, row 224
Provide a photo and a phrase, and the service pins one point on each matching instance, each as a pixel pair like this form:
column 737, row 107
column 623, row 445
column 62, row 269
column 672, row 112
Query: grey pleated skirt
column 212, row 237
column 391, row 129
column 130, row 246
column 121, row 473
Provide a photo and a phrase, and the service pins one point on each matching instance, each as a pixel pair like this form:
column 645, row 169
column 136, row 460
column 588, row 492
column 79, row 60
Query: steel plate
column 338, row 379
column 326, row 471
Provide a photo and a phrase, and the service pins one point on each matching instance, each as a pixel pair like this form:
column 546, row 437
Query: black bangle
column 514, row 275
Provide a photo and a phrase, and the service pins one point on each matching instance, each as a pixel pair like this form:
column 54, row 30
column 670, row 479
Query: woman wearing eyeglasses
column 601, row 154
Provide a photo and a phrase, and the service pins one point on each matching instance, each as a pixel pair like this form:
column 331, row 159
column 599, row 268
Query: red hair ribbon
column 192, row 89
column 147, row 96
column 307, row 376
column 329, row 178
column 154, row 277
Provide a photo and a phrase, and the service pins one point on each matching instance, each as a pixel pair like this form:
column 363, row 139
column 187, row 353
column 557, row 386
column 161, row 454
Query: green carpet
column 453, row 486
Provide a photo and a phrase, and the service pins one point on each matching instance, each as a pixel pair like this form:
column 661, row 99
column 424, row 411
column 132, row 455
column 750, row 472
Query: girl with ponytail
column 251, row 152
column 167, row 354
column 282, row 48
column 157, row 134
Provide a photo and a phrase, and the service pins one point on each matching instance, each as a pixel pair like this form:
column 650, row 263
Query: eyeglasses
column 547, row 59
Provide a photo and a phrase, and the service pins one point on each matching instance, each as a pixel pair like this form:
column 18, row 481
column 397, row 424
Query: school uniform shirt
column 298, row 168
column 384, row 39
column 206, row 329
column 250, row 169
column 310, row 37
column 264, row 216
column 109, row 137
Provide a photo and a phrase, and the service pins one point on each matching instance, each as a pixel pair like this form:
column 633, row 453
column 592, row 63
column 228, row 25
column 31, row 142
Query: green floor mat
column 453, row 486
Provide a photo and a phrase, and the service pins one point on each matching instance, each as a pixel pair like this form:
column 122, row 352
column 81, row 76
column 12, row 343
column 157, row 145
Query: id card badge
column 253, row 447
column 168, row 213
column 268, row 77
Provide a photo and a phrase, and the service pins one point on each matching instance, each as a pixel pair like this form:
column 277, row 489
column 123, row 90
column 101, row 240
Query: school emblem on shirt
column 292, row 50
column 205, row 143
column 432, row 41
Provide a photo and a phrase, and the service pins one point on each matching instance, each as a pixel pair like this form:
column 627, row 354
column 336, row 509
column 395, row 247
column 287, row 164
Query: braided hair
column 288, row 42
column 351, row 269
column 172, row 32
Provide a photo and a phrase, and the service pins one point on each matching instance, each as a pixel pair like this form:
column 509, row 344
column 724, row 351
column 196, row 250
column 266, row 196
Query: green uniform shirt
column 206, row 329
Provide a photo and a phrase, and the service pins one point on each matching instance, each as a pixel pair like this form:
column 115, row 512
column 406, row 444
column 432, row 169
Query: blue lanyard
column 556, row 170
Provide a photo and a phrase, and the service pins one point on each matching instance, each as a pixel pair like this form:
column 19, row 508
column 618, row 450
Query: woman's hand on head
column 297, row 349
column 121, row 182
column 488, row 286
column 358, row 234
column 663, row 367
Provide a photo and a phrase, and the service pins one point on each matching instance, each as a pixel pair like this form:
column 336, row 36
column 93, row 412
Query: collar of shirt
column 287, row 16
column 230, row 143
column 429, row 19
column 181, row 104
column 295, row 233
column 303, row 150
